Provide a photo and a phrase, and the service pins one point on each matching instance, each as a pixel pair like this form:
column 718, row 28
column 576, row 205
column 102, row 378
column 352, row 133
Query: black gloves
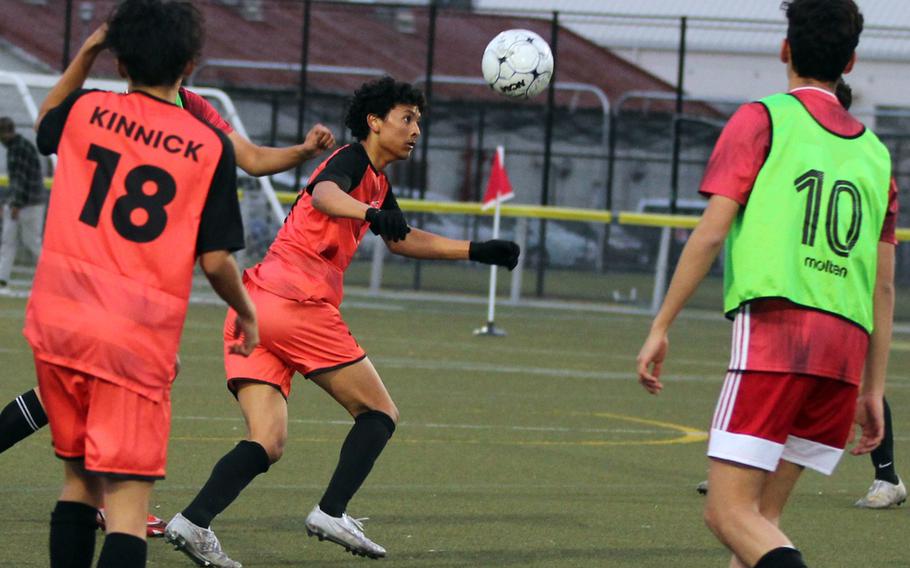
column 496, row 251
column 388, row 223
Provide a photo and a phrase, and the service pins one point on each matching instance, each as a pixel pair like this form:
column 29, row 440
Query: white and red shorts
column 763, row 417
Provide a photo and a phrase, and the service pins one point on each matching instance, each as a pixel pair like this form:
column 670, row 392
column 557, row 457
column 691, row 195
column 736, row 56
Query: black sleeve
column 346, row 168
column 390, row 203
column 221, row 226
column 51, row 128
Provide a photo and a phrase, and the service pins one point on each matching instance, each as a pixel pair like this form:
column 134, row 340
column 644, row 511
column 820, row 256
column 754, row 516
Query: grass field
column 536, row 449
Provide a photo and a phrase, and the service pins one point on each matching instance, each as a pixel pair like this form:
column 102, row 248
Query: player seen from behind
column 25, row 414
column 139, row 193
column 812, row 298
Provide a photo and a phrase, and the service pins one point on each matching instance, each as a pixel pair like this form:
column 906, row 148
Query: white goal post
column 25, row 84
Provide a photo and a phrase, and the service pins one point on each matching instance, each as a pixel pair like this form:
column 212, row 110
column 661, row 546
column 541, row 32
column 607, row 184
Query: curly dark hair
column 823, row 36
column 379, row 97
column 155, row 39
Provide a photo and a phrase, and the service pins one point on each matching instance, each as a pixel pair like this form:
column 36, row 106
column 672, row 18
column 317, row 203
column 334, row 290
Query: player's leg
column 776, row 492
column 358, row 388
column 264, row 406
column 266, row 413
column 72, row 532
column 72, row 528
column 752, row 422
column 733, row 512
column 126, row 511
column 887, row 489
column 8, row 245
column 21, row 418
column 31, row 219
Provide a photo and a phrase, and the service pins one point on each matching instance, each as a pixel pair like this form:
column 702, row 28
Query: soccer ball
column 518, row 63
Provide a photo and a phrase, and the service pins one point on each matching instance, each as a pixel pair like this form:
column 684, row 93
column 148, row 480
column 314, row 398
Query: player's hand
column 496, row 251
column 317, row 140
column 388, row 223
column 96, row 41
column 870, row 417
column 14, row 212
column 246, row 334
column 651, row 361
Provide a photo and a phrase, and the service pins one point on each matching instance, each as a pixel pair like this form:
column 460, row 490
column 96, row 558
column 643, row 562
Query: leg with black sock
column 229, row 477
column 19, row 419
column 72, row 535
column 364, row 443
column 123, row 551
column 883, row 455
column 783, row 557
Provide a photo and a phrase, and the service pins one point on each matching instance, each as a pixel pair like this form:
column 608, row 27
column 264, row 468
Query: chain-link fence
column 612, row 136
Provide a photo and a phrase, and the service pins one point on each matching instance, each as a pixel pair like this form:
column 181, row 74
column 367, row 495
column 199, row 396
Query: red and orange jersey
column 308, row 258
column 140, row 190
column 201, row 108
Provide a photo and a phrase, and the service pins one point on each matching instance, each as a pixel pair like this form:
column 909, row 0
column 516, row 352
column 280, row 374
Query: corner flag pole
column 499, row 189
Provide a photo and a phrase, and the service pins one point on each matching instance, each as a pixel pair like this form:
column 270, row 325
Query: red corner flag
column 499, row 188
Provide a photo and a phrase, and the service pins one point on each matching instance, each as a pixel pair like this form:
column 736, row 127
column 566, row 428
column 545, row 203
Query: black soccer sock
column 883, row 455
column 783, row 557
column 230, row 475
column 20, row 418
column 123, row 550
column 365, row 441
column 72, row 540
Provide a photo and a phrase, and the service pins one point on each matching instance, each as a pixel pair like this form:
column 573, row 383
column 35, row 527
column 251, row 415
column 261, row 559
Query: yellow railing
column 534, row 211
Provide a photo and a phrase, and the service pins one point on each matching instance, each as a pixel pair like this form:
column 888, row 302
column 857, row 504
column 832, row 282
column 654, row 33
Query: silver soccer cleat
column 200, row 544
column 883, row 495
column 345, row 531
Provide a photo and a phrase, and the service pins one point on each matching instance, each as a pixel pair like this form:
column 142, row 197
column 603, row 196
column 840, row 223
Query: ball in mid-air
column 518, row 63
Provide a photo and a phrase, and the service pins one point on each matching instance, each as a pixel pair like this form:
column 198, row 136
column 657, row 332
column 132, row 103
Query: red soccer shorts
column 307, row 337
column 114, row 430
column 763, row 417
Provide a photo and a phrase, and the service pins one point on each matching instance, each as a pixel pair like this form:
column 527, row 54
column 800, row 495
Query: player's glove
column 496, row 251
column 388, row 223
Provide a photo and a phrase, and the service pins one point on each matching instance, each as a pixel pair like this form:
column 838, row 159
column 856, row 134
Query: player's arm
column 221, row 270
column 221, row 232
column 264, row 160
column 696, row 259
column 76, row 72
column 870, row 415
column 329, row 198
column 430, row 246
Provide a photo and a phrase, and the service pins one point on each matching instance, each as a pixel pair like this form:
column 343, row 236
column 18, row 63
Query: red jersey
column 140, row 189
column 308, row 257
column 201, row 108
column 775, row 334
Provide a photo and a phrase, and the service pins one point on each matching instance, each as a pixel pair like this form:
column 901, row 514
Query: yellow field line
column 687, row 435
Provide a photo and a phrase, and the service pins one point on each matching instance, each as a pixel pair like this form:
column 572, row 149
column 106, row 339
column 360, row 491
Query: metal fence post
column 547, row 154
column 302, row 85
column 67, row 34
column 425, row 122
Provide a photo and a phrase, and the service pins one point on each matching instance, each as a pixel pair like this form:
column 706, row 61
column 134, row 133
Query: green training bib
column 810, row 230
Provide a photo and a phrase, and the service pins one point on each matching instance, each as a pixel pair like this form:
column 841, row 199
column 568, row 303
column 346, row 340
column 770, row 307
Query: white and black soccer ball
column 518, row 63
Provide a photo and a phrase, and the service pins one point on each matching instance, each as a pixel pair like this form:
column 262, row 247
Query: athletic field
column 536, row 449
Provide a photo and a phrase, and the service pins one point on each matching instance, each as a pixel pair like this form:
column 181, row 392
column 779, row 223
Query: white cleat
column 345, row 531
column 200, row 544
column 883, row 494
